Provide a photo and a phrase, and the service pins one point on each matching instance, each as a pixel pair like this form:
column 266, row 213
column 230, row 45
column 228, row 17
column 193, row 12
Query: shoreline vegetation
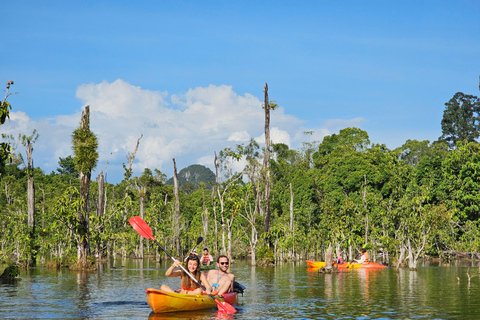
column 343, row 194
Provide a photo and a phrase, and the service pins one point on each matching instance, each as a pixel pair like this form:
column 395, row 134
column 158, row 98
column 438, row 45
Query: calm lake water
column 288, row 291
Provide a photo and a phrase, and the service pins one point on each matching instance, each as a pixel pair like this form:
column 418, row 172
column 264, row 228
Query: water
column 288, row 291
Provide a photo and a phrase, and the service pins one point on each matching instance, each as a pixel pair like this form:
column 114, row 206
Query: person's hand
column 176, row 264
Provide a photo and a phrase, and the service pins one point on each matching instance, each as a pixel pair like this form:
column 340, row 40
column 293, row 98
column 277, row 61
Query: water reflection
column 288, row 291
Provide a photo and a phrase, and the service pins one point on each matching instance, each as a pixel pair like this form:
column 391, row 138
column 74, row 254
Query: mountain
column 194, row 174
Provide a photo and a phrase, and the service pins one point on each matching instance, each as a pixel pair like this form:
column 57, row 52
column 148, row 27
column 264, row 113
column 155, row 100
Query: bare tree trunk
column 130, row 159
column 329, row 257
column 204, row 218
column 31, row 202
column 214, row 203
column 176, row 215
column 267, row 161
column 142, row 215
column 365, row 207
column 100, row 212
column 292, row 231
column 83, row 217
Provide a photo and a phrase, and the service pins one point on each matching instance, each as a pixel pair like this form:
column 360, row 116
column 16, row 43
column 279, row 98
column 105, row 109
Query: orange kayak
column 161, row 301
column 347, row 265
column 368, row 265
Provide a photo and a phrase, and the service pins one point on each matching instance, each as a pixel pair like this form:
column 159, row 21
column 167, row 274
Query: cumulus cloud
column 189, row 127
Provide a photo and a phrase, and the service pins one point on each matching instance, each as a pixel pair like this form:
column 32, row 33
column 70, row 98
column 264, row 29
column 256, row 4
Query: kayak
column 368, row 265
column 209, row 267
column 347, row 265
column 161, row 301
column 315, row 264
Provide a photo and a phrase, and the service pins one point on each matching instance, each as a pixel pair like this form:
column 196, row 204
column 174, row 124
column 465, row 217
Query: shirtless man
column 220, row 279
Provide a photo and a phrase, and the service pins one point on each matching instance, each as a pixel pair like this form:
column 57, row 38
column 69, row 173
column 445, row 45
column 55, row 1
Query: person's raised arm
column 170, row 271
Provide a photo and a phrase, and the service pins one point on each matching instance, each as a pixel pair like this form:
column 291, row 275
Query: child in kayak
column 188, row 286
column 207, row 258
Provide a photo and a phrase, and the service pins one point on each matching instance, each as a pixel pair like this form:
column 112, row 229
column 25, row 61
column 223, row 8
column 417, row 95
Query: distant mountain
column 194, row 174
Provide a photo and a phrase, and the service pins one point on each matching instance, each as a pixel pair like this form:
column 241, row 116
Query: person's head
column 364, row 250
column 223, row 262
column 205, row 252
column 193, row 264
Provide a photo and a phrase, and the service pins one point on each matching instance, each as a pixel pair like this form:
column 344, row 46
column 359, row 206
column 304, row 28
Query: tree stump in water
column 328, row 270
column 10, row 274
column 266, row 262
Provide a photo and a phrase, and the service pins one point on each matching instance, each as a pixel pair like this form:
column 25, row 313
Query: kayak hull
column 368, row 265
column 209, row 267
column 315, row 264
column 161, row 301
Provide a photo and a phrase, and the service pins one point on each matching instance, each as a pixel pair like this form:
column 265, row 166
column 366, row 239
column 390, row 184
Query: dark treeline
column 345, row 192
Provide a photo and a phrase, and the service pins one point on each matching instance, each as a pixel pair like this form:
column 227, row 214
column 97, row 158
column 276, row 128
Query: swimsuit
column 216, row 285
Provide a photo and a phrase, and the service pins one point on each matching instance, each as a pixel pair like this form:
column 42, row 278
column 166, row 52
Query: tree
column 461, row 119
column 269, row 105
column 85, row 146
column 28, row 142
column 4, row 114
column 67, row 167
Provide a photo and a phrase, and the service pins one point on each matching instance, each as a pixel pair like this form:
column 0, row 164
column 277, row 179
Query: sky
column 188, row 76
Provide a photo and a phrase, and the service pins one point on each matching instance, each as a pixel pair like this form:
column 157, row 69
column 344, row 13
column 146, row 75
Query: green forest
column 421, row 199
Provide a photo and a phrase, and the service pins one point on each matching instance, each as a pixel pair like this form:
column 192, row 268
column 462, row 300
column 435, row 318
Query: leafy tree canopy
column 461, row 119
column 67, row 167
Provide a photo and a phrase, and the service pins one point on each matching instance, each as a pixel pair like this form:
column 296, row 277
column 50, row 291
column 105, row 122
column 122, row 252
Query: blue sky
column 189, row 75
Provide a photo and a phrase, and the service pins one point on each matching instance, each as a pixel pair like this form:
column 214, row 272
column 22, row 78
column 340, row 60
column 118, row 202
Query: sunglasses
column 224, row 263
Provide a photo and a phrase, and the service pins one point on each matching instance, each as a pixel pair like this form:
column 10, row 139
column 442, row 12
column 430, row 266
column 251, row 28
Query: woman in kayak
column 188, row 285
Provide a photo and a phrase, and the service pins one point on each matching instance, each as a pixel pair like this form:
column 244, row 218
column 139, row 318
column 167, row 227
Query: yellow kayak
column 315, row 264
column 161, row 301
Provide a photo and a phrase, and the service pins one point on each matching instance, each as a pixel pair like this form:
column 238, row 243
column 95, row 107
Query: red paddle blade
column 141, row 227
column 225, row 307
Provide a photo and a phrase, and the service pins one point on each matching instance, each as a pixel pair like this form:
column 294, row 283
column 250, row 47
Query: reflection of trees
column 83, row 293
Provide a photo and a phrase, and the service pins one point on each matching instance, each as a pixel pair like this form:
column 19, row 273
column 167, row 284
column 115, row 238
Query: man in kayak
column 207, row 259
column 220, row 280
column 188, row 286
column 364, row 257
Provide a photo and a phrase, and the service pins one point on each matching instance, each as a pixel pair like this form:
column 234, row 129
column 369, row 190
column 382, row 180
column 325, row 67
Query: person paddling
column 188, row 285
column 221, row 280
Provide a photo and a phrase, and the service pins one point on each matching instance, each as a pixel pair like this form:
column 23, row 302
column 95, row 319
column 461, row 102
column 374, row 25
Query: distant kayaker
column 220, row 279
column 207, row 258
column 188, row 285
column 363, row 257
column 338, row 257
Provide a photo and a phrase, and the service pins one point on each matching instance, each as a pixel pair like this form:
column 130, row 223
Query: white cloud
column 240, row 136
column 188, row 127
column 276, row 136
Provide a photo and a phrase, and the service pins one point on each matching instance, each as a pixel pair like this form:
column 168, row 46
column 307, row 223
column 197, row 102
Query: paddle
column 199, row 240
column 144, row 230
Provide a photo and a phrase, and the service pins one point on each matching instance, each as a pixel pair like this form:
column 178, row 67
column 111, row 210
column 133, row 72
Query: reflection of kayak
column 315, row 264
column 346, row 265
column 210, row 267
column 161, row 301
